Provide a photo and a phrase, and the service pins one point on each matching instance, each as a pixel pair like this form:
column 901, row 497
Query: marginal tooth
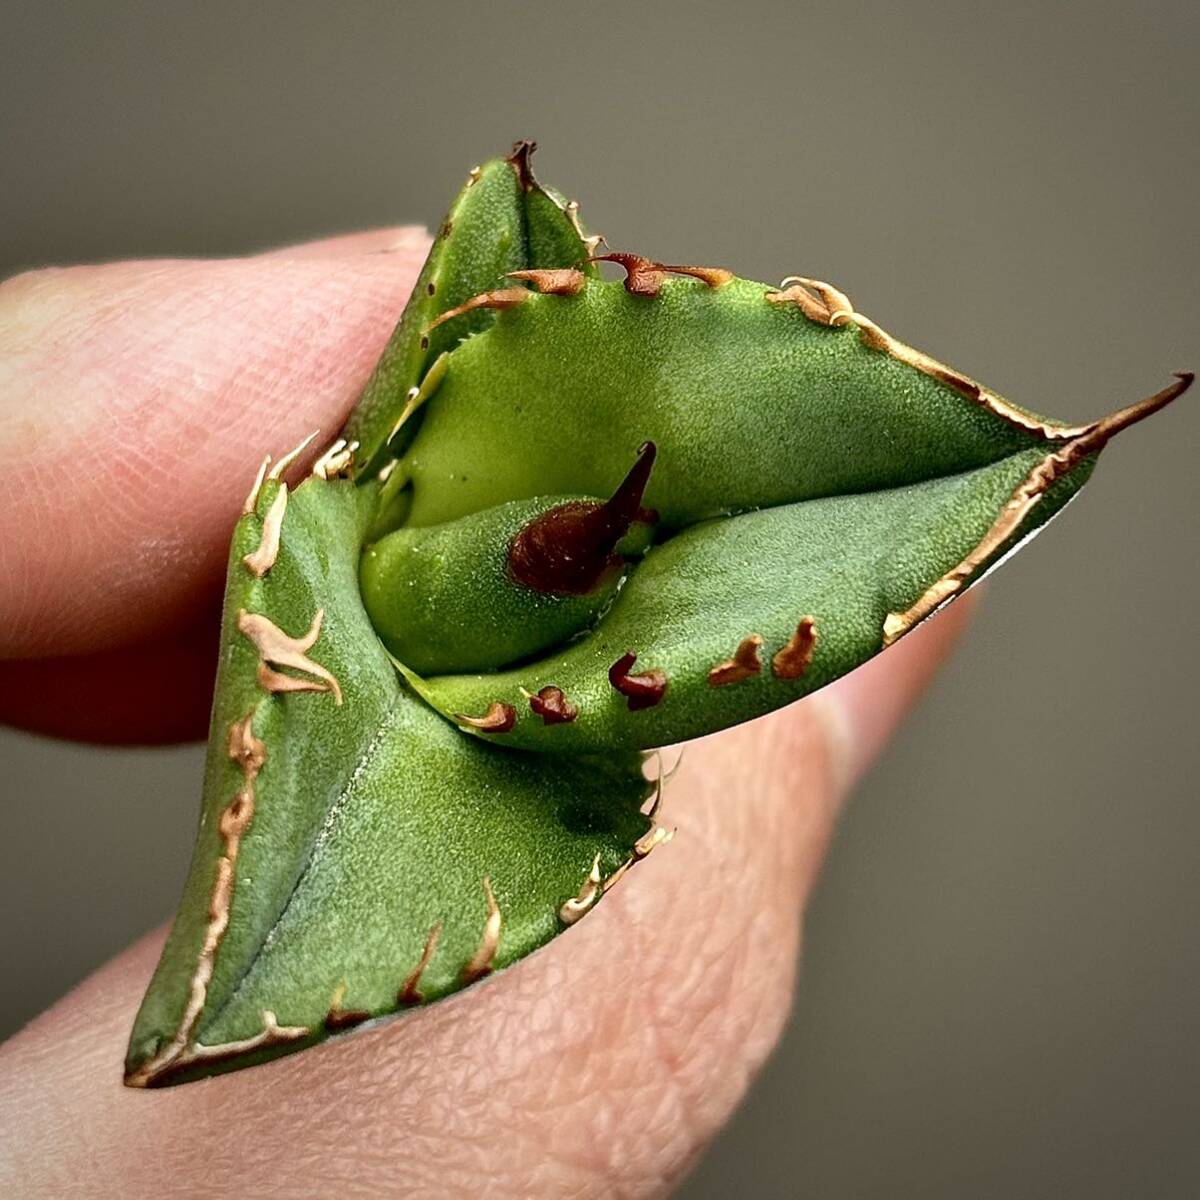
column 586, row 897
column 343, row 1018
column 715, row 277
column 552, row 705
column 651, row 839
column 519, row 160
column 499, row 718
column 244, row 748
column 744, row 663
column 277, row 683
column 643, row 690
column 834, row 299
column 814, row 308
column 337, row 461
column 675, row 767
column 480, row 963
column 592, row 242
column 278, row 649
column 409, row 993
column 249, row 753
column 498, row 298
column 811, row 306
column 642, row 848
column 558, row 281
column 415, row 397
column 259, row 562
column 251, row 501
column 645, row 277
column 410, row 406
column 276, row 472
column 660, row 789
column 794, row 658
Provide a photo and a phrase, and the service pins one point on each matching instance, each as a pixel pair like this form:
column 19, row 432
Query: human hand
column 137, row 399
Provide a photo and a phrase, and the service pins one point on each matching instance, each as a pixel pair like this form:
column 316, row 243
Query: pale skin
column 138, row 398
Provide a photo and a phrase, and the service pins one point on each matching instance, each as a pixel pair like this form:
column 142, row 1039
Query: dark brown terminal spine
column 568, row 550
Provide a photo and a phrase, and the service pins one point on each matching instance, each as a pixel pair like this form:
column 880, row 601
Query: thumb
column 135, row 400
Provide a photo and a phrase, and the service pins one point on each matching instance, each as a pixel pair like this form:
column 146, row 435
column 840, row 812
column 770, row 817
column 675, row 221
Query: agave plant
column 571, row 519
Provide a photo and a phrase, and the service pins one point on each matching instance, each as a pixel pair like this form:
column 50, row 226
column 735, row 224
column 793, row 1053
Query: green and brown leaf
column 443, row 651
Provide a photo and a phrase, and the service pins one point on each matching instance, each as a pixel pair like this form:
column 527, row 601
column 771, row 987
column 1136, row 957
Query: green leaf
column 750, row 404
column 819, row 484
column 842, row 563
column 503, row 220
column 365, row 825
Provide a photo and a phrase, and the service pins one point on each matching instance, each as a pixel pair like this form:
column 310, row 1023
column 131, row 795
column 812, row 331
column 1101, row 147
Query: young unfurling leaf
column 571, row 519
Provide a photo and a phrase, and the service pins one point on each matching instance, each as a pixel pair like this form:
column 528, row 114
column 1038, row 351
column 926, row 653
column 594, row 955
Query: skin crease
column 574, row 1073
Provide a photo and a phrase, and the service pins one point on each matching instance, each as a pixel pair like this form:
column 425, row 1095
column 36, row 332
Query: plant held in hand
column 570, row 520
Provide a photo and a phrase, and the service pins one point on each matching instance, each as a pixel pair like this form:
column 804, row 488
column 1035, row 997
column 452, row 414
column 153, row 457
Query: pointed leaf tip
column 1109, row 426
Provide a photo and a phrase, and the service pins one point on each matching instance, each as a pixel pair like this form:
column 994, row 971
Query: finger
column 142, row 695
column 396, row 239
column 136, row 401
column 600, row 1065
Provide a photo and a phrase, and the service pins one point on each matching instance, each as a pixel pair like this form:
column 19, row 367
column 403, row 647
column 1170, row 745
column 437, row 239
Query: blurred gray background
column 1000, row 989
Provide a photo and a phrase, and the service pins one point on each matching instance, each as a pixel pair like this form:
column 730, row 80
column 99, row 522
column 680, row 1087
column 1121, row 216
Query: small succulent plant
column 570, row 520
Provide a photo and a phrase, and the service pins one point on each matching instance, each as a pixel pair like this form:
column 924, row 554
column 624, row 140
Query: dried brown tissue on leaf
column 796, row 655
column 278, row 649
column 1024, row 499
column 642, row 690
column 744, row 663
column 410, row 993
column 499, row 718
column 569, row 549
column 827, row 305
column 249, row 753
column 480, row 963
column 551, row 704
column 657, row 835
column 645, row 277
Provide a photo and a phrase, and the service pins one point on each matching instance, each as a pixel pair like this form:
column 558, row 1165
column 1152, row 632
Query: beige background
column 1000, row 995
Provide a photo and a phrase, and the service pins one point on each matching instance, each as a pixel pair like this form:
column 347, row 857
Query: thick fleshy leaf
column 821, row 489
column 335, row 836
column 749, row 402
column 840, row 565
column 503, row 220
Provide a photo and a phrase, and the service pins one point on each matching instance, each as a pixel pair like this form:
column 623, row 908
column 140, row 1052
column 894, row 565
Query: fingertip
column 410, row 240
column 143, row 397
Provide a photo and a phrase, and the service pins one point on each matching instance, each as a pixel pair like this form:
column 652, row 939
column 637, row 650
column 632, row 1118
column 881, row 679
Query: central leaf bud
column 495, row 587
